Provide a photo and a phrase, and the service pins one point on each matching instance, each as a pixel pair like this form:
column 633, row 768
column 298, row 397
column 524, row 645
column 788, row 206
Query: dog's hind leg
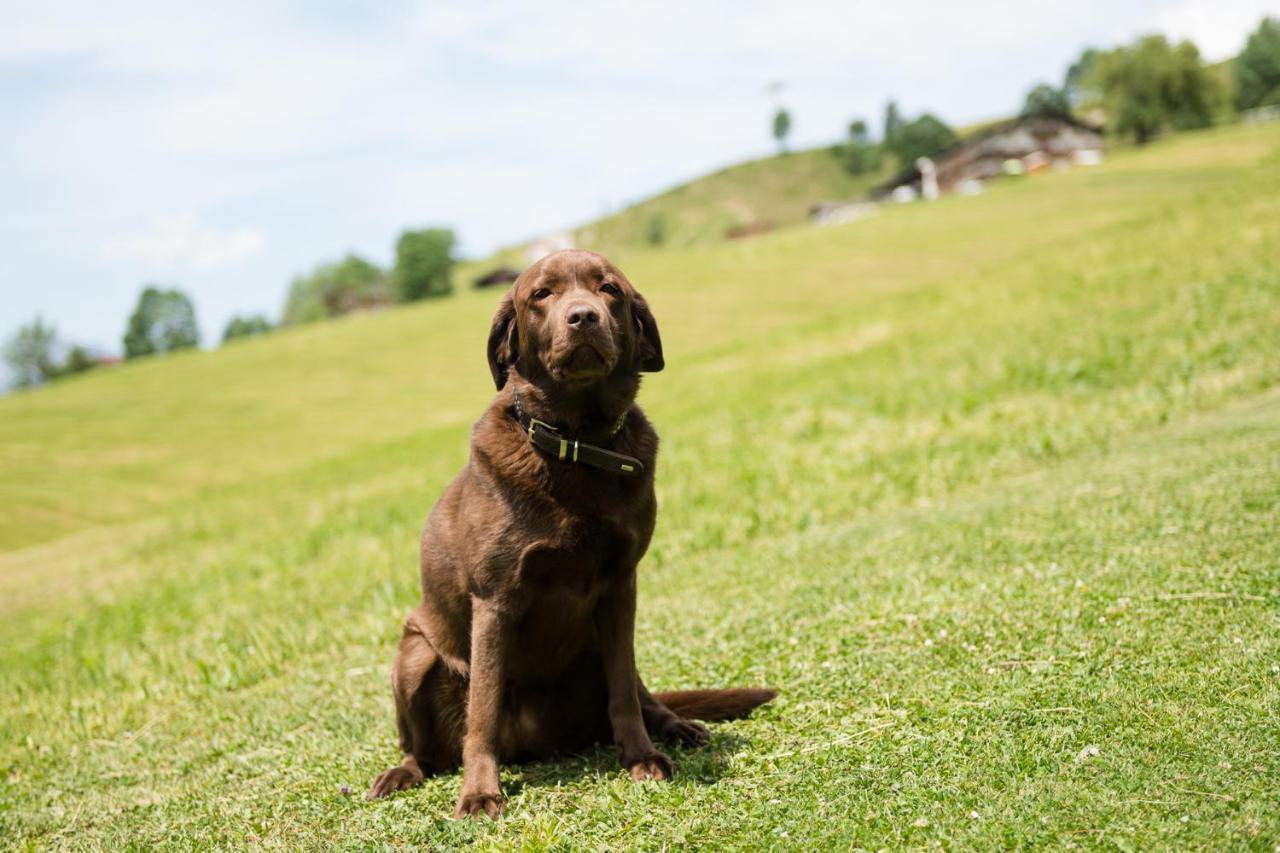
column 415, row 667
column 667, row 724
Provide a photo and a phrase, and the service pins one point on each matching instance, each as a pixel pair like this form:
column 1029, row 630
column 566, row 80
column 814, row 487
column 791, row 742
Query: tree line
column 164, row 319
column 1135, row 92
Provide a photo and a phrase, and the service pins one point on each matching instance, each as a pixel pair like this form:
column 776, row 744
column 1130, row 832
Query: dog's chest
column 578, row 560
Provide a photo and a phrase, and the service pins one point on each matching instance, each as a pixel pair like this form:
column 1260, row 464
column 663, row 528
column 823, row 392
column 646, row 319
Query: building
column 1022, row 145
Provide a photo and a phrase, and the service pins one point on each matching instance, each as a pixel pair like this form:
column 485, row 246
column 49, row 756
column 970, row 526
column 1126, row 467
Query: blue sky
column 226, row 147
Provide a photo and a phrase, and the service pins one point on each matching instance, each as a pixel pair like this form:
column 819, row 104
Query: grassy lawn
column 989, row 488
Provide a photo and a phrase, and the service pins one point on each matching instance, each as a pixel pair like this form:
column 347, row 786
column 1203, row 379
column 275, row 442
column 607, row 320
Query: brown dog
column 523, row 644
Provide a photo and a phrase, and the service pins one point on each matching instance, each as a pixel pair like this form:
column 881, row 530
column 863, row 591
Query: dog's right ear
column 503, row 340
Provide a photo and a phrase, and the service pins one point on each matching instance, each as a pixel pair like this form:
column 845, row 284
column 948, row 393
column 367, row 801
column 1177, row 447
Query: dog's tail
column 712, row 705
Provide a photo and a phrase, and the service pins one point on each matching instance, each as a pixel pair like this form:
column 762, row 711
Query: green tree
column 165, row 320
column 29, row 354
column 927, row 136
column 78, row 360
column 859, row 154
column 424, row 264
column 1152, row 86
column 1045, row 101
column 245, row 327
column 1257, row 68
column 1077, row 83
column 892, row 122
column 334, row 289
column 781, row 127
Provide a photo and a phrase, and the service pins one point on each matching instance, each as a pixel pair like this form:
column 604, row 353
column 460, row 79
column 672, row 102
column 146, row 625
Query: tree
column 78, row 360
column 245, row 327
column 927, row 136
column 781, row 127
column 1152, row 86
column 1076, row 86
column 1257, row 68
column 334, row 289
column 859, row 154
column 165, row 320
column 424, row 264
column 892, row 122
column 29, row 354
column 1044, row 101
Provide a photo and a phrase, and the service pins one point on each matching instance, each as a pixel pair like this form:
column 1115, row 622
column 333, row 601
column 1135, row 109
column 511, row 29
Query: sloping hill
column 987, row 486
column 773, row 191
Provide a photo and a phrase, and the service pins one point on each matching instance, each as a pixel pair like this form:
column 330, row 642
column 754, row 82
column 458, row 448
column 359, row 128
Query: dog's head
column 574, row 318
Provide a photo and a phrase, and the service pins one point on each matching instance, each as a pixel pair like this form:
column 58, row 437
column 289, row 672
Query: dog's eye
column 610, row 287
column 541, row 293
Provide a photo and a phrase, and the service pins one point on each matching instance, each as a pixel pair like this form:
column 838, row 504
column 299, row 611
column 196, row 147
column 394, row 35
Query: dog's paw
column 395, row 779
column 656, row 766
column 479, row 805
column 688, row 733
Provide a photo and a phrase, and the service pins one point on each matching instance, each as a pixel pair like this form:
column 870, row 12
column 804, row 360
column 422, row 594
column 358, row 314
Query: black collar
column 549, row 438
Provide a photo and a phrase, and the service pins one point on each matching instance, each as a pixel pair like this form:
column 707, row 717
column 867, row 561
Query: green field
column 775, row 191
column 988, row 488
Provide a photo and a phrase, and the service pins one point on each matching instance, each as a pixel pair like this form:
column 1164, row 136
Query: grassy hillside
column 774, row 190
column 988, row 487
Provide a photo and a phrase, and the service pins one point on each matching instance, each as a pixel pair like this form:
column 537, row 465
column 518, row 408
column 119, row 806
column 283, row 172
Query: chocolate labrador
column 524, row 643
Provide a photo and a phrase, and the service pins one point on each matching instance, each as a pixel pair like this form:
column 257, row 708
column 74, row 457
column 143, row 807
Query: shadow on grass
column 701, row 766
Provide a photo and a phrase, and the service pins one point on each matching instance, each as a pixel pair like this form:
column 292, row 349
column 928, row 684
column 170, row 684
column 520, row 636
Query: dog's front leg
column 481, row 790
column 615, row 619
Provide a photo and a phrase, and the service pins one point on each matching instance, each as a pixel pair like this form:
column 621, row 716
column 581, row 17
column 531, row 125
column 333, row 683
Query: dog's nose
column 582, row 315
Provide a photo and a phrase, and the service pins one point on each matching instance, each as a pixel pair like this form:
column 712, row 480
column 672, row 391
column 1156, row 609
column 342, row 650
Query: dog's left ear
column 503, row 340
column 648, row 341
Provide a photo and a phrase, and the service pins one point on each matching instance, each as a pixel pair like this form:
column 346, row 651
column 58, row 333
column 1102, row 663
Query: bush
column 246, row 327
column 335, row 289
column 424, row 264
column 859, row 155
column 165, row 320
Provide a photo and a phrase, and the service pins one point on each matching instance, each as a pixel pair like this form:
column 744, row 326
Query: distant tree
column 78, row 360
column 927, row 136
column 334, row 289
column 781, row 128
column 1076, row 85
column 859, row 154
column 1257, row 68
column 165, row 320
column 655, row 228
column 1152, row 86
column 29, row 354
column 892, row 122
column 245, row 327
column 1045, row 101
column 424, row 264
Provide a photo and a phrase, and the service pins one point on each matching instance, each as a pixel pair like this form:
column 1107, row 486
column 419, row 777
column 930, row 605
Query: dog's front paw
column 479, row 804
column 396, row 779
column 655, row 766
column 688, row 733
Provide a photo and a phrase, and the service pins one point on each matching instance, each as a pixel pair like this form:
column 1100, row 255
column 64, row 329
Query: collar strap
column 546, row 437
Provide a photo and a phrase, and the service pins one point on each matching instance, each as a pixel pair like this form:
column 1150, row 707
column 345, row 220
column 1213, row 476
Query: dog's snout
column 582, row 315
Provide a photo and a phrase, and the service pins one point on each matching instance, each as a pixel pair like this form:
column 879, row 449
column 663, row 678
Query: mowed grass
column 989, row 488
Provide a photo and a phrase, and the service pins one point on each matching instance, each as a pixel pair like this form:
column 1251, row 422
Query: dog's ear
column 504, row 344
column 648, row 341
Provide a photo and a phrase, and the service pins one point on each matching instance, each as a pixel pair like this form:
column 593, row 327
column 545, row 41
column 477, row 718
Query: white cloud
column 182, row 242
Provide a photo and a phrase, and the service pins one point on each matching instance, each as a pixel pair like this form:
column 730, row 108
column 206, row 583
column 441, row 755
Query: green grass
column 990, row 488
column 776, row 191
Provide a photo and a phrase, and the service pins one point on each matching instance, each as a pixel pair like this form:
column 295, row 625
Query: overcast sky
column 225, row 147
